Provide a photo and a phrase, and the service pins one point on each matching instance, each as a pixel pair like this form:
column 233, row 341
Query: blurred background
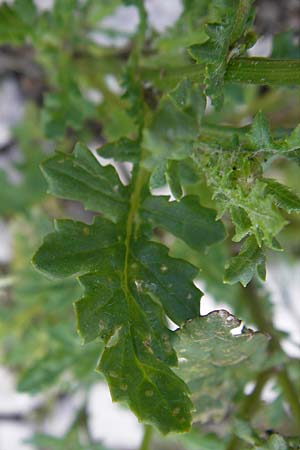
column 32, row 360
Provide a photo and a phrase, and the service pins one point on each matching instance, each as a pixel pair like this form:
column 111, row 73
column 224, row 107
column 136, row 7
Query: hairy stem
column 263, row 71
column 268, row 71
column 147, row 438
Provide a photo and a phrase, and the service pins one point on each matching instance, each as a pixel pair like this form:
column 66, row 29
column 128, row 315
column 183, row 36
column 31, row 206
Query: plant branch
column 288, row 389
column 264, row 71
column 278, row 72
column 250, row 405
column 147, row 438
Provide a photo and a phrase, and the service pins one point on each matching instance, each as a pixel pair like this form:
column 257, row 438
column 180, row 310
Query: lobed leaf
column 129, row 288
column 260, row 135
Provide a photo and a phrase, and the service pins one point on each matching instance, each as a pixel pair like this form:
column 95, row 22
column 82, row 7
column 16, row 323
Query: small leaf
column 260, row 135
column 241, row 221
column 243, row 266
column 293, row 141
column 283, row 197
column 186, row 219
column 226, row 37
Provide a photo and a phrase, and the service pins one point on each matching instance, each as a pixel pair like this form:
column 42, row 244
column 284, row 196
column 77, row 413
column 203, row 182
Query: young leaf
column 243, row 266
column 260, row 135
column 283, row 197
column 241, row 221
column 210, row 355
column 228, row 24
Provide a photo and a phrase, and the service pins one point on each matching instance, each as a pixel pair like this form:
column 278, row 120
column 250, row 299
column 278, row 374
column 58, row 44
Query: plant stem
column 278, row 72
column 264, row 71
column 250, row 405
column 146, row 442
column 288, row 389
column 289, row 393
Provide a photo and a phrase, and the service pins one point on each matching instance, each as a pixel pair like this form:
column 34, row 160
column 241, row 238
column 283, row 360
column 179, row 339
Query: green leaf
column 129, row 284
column 186, row 219
column 243, row 266
column 260, row 135
column 293, row 141
column 283, row 197
column 79, row 176
column 210, row 355
column 135, row 357
column 241, row 221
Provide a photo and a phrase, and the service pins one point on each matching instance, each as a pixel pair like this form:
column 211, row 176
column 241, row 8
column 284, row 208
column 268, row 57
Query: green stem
column 289, row 393
column 239, row 70
column 280, row 72
column 250, row 405
column 288, row 389
column 147, row 438
column 141, row 179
